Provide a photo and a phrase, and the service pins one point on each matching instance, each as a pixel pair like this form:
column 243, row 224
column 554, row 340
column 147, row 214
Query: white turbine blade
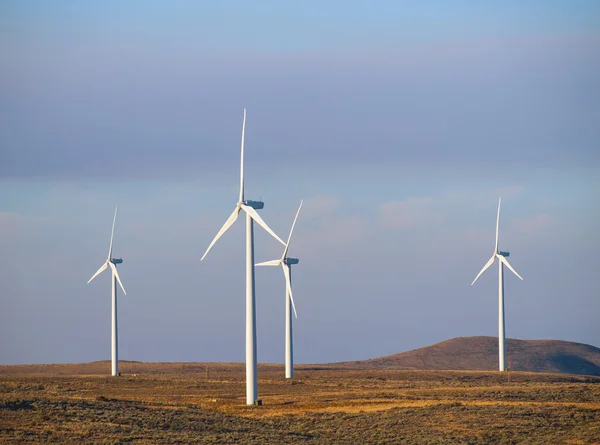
column 98, row 272
column 114, row 269
column 269, row 263
column 497, row 224
column 242, row 160
column 488, row 264
column 112, row 232
column 505, row 261
column 288, row 285
column 226, row 226
column 256, row 217
column 287, row 246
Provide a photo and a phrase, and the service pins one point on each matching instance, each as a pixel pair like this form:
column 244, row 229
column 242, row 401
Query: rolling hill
column 481, row 353
column 461, row 353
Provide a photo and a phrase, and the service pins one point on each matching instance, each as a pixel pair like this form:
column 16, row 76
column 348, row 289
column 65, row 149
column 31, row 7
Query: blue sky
column 399, row 123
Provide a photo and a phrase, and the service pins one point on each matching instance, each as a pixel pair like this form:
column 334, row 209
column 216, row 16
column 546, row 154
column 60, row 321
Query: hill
column 481, row 353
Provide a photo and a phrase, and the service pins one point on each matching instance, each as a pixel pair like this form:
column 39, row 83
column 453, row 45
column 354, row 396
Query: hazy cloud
column 320, row 207
column 532, row 224
column 518, row 104
column 9, row 224
column 410, row 213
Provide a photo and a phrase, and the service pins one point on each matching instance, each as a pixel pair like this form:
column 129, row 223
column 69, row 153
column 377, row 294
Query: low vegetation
column 183, row 403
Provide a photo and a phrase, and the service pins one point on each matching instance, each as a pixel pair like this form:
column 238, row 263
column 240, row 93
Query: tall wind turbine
column 502, row 261
column 249, row 207
column 112, row 262
column 286, row 265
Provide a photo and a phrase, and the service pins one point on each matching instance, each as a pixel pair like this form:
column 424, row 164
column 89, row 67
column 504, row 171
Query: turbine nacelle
column 116, row 260
column 504, row 254
column 256, row 205
column 290, row 261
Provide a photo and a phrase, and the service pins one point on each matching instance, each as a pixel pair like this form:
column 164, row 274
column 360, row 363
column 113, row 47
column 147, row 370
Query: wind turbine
column 286, row 265
column 112, row 262
column 249, row 207
column 502, row 261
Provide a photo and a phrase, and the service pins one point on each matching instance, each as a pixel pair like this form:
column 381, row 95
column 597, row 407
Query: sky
column 399, row 124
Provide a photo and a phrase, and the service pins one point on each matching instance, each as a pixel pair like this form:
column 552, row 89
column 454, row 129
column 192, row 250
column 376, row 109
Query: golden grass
column 318, row 406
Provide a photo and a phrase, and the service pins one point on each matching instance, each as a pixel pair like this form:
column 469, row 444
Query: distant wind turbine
column 501, row 263
column 286, row 264
column 112, row 262
column 250, row 208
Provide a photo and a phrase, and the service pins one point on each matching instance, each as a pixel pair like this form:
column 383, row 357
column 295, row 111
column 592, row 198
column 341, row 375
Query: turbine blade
column 506, row 263
column 112, row 232
column 226, row 226
column 287, row 246
column 269, row 263
column 488, row 264
column 288, row 286
column 256, row 217
column 242, row 160
column 498, row 224
column 114, row 269
column 98, row 272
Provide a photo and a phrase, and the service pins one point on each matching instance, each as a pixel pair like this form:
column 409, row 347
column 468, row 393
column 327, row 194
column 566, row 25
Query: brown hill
column 481, row 353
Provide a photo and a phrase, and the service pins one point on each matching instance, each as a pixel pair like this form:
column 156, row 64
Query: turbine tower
column 502, row 261
column 112, row 262
column 286, row 264
column 249, row 207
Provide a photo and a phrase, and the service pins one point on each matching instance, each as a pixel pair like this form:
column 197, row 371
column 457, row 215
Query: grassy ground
column 180, row 403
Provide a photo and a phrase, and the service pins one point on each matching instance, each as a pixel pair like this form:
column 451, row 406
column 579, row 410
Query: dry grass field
column 180, row 403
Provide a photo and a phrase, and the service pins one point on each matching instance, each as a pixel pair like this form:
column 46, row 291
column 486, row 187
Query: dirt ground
column 205, row 403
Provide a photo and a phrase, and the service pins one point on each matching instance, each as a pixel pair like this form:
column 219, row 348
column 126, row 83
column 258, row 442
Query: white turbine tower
column 112, row 262
column 250, row 208
column 502, row 261
column 286, row 264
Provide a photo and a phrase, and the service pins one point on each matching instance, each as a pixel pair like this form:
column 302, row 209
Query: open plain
column 205, row 403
